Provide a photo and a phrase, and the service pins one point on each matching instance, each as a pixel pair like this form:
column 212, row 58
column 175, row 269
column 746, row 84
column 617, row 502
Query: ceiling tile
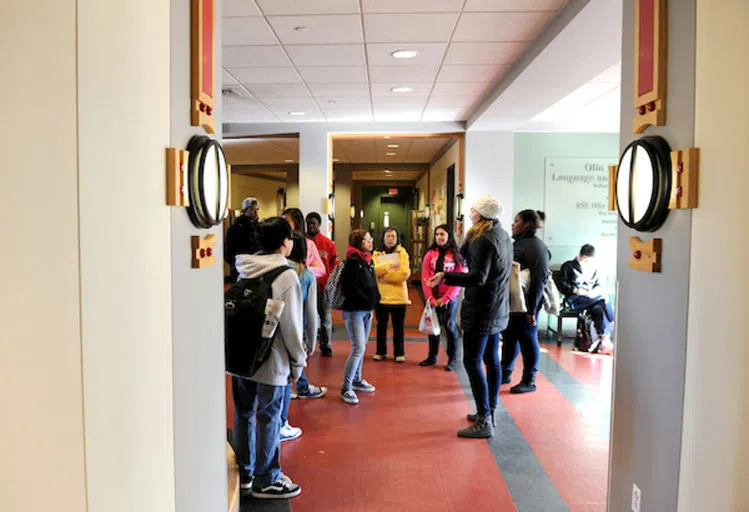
column 417, row 28
column 334, row 75
column 253, row 56
column 411, row 5
column 326, row 29
column 452, row 101
column 442, row 114
column 413, row 74
column 266, row 91
column 348, row 114
column 291, row 104
column 501, row 26
column 341, row 102
column 302, row 7
column 265, row 75
column 239, row 8
column 227, row 79
column 471, row 73
column 513, row 5
column 387, row 103
column 466, row 89
column 340, row 90
column 383, row 89
column 327, row 54
column 246, row 30
column 484, row 53
column 429, row 54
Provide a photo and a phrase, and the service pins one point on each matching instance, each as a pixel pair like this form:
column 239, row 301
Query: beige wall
column 124, row 113
column 41, row 432
column 438, row 182
column 715, row 448
column 262, row 189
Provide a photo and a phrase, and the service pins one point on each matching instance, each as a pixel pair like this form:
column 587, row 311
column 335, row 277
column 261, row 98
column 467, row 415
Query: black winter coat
column 359, row 285
column 241, row 238
column 533, row 254
column 486, row 305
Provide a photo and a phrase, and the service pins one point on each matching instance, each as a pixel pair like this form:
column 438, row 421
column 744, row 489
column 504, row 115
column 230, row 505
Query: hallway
column 397, row 450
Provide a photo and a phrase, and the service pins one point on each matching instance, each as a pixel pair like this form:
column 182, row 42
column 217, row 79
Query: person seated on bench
column 580, row 284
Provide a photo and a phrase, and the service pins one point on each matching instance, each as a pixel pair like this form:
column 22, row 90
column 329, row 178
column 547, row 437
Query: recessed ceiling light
column 297, row 113
column 404, row 54
column 387, row 136
column 389, row 154
column 388, row 171
column 289, row 161
column 393, row 146
column 336, row 160
column 402, row 89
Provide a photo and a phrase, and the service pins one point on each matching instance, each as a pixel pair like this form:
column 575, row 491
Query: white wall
column 438, row 182
column 123, row 94
column 715, row 448
column 41, row 432
column 264, row 190
column 489, row 170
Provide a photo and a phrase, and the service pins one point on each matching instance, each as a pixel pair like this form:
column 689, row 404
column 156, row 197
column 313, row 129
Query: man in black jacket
column 241, row 237
column 580, row 284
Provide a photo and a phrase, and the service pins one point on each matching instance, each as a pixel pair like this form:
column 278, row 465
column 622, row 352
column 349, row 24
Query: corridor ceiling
column 331, row 60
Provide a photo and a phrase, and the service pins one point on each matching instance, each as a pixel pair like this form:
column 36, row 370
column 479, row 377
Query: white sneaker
column 288, row 432
column 364, row 386
column 350, row 397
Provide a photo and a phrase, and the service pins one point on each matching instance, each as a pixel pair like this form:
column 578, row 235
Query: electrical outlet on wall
column 636, row 498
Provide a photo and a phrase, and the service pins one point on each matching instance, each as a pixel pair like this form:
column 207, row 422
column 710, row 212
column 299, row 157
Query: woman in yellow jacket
column 393, row 269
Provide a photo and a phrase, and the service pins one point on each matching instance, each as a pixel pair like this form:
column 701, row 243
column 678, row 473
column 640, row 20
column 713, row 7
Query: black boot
column 429, row 361
column 482, row 429
column 525, row 386
column 434, row 346
column 472, row 417
column 326, row 351
column 506, row 376
column 450, row 366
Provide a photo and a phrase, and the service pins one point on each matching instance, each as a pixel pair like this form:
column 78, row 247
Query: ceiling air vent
column 234, row 93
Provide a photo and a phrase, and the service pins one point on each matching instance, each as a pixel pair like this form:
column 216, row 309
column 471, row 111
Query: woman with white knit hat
column 487, row 251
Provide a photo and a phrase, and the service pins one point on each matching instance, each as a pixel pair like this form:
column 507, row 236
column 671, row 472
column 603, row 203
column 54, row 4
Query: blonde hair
column 478, row 229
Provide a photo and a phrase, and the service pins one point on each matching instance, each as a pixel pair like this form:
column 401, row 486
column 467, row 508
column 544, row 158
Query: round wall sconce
column 352, row 211
column 208, row 182
column 426, row 211
column 643, row 183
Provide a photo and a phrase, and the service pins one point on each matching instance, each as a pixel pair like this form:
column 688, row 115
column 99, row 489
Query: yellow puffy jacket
column 392, row 282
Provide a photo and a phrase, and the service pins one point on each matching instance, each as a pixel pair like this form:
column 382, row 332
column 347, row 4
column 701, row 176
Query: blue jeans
column 244, row 393
column 478, row 348
column 600, row 311
column 268, row 443
column 521, row 333
column 446, row 317
column 302, row 385
column 358, row 327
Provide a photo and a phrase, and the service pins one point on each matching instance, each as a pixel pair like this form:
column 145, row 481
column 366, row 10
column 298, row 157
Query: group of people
column 377, row 281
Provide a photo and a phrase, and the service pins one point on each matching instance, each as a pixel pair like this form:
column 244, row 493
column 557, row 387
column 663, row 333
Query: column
column 315, row 173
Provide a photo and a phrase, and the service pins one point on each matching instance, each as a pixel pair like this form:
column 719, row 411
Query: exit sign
column 393, row 191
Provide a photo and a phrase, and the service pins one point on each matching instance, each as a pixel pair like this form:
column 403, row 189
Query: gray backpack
column 333, row 291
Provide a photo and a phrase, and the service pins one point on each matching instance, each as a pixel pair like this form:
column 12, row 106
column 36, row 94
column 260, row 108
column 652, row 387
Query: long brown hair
column 478, row 229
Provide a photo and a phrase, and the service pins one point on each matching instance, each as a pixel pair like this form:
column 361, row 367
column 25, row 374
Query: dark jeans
column 326, row 320
column 600, row 311
column 520, row 332
column 446, row 316
column 478, row 347
column 399, row 318
column 257, row 447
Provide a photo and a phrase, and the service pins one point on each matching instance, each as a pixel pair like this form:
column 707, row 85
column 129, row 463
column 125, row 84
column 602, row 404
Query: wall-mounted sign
column 643, row 184
column 650, row 64
column 208, row 182
column 203, row 63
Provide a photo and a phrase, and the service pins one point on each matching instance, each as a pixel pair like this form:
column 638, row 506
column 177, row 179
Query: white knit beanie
column 488, row 207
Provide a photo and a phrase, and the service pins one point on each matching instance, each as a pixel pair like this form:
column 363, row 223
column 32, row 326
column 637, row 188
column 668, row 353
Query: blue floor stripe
column 594, row 408
column 530, row 486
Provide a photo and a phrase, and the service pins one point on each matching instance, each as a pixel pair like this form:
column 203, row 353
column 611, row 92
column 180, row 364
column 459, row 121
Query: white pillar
column 489, row 170
column 315, row 173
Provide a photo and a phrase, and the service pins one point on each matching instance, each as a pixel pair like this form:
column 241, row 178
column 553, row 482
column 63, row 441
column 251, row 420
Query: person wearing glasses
column 360, row 296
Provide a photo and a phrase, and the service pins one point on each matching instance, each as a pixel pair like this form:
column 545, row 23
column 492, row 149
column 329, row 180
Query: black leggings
column 398, row 314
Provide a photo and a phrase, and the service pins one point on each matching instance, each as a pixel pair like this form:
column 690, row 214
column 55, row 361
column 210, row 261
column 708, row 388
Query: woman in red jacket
column 442, row 256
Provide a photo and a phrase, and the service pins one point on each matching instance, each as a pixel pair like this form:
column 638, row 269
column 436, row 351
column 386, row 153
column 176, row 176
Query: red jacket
column 447, row 293
column 328, row 255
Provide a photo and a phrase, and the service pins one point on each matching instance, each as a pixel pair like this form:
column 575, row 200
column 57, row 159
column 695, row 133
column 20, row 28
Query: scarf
column 363, row 255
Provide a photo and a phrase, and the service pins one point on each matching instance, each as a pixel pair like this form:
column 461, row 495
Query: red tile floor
column 397, row 450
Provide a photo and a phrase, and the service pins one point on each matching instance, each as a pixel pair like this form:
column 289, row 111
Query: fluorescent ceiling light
column 393, row 146
column 297, row 113
column 388, row 171
column 404, row 54
column 402, row 89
